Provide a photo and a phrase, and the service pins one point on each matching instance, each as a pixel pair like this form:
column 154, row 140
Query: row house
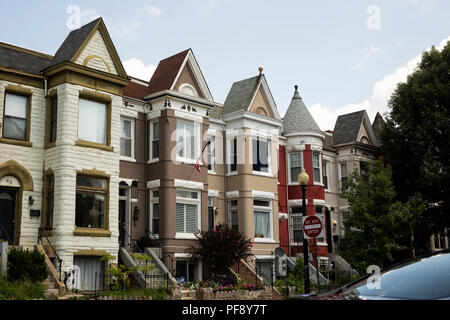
column 97, row 161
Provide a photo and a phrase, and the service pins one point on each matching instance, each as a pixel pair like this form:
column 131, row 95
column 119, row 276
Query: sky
column 345, row 56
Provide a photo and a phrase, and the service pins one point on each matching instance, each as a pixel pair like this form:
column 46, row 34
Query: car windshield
column 428, row 278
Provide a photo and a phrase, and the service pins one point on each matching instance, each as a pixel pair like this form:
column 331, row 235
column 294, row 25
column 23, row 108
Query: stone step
column 51, row 294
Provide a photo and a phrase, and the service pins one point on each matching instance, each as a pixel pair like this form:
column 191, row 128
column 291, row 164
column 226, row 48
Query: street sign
column 313, row 227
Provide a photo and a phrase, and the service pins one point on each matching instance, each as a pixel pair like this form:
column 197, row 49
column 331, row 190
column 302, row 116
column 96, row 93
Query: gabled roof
column 166, row 72
column 376, row 126
column 243, row 92
column 298, row 118
column 136, row 89
column 348, row 127
column 170, row 69
column 76, row 41
column 240, row 95
column 23, row 59
column 73, row 42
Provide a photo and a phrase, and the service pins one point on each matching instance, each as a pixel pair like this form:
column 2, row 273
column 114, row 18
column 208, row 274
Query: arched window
column 187, row 89
column 365, row 140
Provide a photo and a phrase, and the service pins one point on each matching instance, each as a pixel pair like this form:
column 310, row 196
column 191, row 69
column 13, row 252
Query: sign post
column 313, row 229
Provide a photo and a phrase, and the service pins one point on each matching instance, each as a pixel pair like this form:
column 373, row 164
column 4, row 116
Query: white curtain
column 262, row 223
column 92, row 121
column 88, row 268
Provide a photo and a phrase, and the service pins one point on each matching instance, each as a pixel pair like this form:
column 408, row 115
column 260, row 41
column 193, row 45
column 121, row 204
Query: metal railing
column 41, row 234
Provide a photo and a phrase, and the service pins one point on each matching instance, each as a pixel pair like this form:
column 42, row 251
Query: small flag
column 197, row 164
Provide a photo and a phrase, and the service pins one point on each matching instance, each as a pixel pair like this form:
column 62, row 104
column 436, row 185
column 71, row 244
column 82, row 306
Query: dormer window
column 187, row 89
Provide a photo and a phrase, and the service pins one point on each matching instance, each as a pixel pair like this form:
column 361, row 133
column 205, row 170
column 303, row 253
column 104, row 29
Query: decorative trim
column 89, row 58
column 93, row 173
column 232, row 194
column 87, row 232
column 264, row 257
column 90, row 252
column 213, row 193
column 282, row 215
column 88, row 144
column 20, row 143
column 18, row 89
column 188, row 184
column 15, row 169
column 153, row 184
column 95, row 95
column 263, row 194
column 297, row 202
column 319, row 202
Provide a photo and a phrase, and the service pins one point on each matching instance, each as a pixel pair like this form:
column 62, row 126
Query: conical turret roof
column 298, row 118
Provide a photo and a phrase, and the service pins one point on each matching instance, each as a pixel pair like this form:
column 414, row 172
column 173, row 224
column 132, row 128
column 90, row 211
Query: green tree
column 221, row 248
column 378, row 224
column 415, row 139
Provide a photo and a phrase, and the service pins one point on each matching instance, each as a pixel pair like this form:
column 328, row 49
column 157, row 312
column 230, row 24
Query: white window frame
column 326, row 165
column 269, row 156
column 291, row 225
column 106, row 121
column 211, row 150
column 295, row 182
column 320, row 182
column 230, row 209
column 181, row 200
column 131, row 158
column 153, row 200
column 230, row 155
column 269, row 210
column 340, row 173
column 197, row 148
column 151, row 135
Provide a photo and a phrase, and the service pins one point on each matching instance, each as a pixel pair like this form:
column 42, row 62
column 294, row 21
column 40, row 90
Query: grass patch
column 20, row 290
column 156, row 294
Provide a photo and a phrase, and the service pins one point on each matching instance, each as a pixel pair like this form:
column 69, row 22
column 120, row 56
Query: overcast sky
column 344, row 55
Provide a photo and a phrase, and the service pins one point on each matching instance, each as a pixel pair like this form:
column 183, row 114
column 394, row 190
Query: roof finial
column 296, row 88
column 260, row 70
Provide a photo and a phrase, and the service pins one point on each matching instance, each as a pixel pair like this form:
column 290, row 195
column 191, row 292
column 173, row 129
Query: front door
column 122, row 215
column 7, row 214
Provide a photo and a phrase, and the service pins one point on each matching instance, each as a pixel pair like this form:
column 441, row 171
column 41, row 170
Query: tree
column 378, row 224
column 221, row 248
column 415, row 138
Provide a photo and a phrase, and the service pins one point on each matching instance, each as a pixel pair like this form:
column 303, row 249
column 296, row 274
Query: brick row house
column 101, row 161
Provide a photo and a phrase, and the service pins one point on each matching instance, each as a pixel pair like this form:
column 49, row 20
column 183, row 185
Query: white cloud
column 137, row 68
column 381, row 93
column 153, row 10
column 371, row 50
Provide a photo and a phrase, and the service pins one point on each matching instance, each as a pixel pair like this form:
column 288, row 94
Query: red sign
column 312, row 226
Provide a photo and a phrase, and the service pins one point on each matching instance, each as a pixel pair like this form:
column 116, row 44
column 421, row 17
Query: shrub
column 20, row 290
column 26, row 266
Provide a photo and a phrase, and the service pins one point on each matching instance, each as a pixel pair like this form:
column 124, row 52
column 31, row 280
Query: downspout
column 45, row 88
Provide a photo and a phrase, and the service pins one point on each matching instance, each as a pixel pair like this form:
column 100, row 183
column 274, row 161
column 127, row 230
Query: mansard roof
column 298, row 118
column 21, row 59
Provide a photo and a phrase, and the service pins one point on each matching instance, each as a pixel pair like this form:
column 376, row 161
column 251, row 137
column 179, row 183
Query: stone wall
column 208, row 294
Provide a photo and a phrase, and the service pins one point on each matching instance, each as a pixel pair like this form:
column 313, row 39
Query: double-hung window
column 49, row 186
column 326, row 172
column 154, row 138
column 91, row 202
column 15, row 117
column 232, row 155
column 317, row 167
column 262, row 210
column 127, row 137
column 154, row 211
column 260, row 150
column 187, row 212
column 53, row 119
column 92, row 121
column 233, row 214
column 297, row 225
column 295, row 166
column 210, row 150
column 342, row 174
column 186, row 140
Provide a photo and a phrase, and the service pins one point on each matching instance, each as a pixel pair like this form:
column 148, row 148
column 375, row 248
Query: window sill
column 211, row 172
column 20, row 143
column 264, row 174
column 94, row 145
column 189, row 236
column 233, row 173
column 88, row 232
column 185, row 160
column 264, row 240
column 49, row 145
column 153, row 160
column 319, row 184
column 127, row 159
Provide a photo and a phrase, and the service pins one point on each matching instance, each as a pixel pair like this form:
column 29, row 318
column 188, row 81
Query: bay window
column 317, row 167
column 210, row 150
column 15, row 117
column 154, row 138
column 295, row 166
column 326, row 172
column 187, row 212
column 91, row 202
column 92, row 121
column 260, row 150
column 187, row 137
column 232, row 155
column 233, row 214
column 262, row 210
